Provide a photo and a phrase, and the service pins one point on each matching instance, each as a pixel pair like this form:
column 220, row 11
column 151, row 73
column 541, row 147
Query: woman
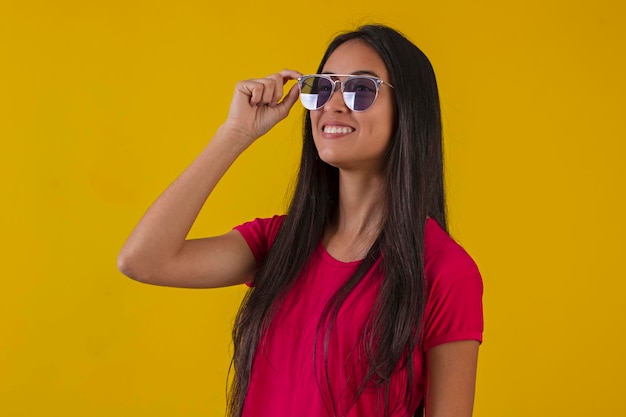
column 360, row 303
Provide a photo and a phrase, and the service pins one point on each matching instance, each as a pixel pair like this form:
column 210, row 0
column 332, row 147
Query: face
column 355, row 140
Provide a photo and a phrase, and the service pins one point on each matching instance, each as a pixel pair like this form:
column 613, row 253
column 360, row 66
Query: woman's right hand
column 256, row 106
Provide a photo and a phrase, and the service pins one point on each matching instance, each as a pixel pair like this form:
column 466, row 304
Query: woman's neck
column 358, row 220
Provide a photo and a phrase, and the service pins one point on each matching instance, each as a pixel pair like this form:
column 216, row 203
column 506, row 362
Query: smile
column 338, row 129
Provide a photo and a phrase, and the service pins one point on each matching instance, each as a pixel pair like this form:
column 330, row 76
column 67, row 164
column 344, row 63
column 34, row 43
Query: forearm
column 157, row 251
column 161, row 233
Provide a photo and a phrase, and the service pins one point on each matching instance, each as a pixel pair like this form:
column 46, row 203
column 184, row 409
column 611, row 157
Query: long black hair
column 413, row 191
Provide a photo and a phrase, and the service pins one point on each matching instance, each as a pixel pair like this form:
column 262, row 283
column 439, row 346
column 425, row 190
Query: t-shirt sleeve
column 260, row 234
column 454, row 309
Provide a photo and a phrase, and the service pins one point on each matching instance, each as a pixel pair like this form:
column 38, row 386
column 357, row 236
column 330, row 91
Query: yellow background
column 103, row 103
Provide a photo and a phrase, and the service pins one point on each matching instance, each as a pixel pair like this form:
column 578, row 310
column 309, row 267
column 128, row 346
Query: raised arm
column 157, row 251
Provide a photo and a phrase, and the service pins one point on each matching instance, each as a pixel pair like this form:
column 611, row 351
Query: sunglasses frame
column 377, row 81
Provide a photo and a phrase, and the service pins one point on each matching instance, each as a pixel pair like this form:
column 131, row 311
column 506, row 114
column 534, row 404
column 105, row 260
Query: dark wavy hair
column 414, row 191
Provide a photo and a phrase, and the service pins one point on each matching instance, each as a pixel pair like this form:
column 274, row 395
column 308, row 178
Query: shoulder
column 262, row 226
column 260, row 233
column 454, row 290
column 445, row 259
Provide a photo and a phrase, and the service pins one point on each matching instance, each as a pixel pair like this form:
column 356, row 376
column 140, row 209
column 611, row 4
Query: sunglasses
column 358, row 91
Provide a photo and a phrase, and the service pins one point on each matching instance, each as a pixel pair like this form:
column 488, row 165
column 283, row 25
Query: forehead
column 355, row 56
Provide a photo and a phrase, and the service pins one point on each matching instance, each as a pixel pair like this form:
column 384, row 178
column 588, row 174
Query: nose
column 336, row 103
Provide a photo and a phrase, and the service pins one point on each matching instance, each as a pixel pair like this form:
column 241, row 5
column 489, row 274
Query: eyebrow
column 360, row 72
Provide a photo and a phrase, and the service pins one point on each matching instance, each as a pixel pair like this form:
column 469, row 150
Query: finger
column 288, row 74
column 267, row 90
column 257, row 91
column 289, row 100
column 251, row 89
column 273, row 88
column 278, row 88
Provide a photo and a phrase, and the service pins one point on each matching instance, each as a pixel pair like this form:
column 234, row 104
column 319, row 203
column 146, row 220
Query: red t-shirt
column 288, row 379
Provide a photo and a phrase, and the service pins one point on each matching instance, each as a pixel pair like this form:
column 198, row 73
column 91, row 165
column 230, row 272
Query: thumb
column 289, row 100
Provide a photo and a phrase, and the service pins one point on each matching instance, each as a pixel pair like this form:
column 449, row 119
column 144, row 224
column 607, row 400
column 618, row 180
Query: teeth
column 337, row 129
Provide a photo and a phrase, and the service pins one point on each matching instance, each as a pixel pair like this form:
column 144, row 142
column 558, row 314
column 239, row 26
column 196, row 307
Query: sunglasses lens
column 314, row 92
column 359, row 93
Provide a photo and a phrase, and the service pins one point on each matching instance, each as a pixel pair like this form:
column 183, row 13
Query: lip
column 336, row 124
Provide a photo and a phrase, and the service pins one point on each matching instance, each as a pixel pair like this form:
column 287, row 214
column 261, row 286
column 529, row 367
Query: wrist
column 233, row 135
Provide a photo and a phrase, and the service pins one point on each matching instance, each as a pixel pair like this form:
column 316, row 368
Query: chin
column 331, row 161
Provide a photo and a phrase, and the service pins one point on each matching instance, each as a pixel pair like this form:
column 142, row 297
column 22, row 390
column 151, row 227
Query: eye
column 324, row 86
column 364, row 85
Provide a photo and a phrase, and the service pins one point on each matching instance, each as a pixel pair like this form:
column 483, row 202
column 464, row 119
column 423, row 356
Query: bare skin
column 358, row 154
column 158, row 252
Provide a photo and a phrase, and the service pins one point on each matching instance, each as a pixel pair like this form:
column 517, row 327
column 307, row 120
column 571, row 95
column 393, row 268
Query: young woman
column 360, row 304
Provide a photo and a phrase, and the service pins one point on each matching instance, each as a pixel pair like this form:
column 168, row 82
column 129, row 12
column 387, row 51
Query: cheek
column 314, row 115
column 383, row 126
column 385, row 120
